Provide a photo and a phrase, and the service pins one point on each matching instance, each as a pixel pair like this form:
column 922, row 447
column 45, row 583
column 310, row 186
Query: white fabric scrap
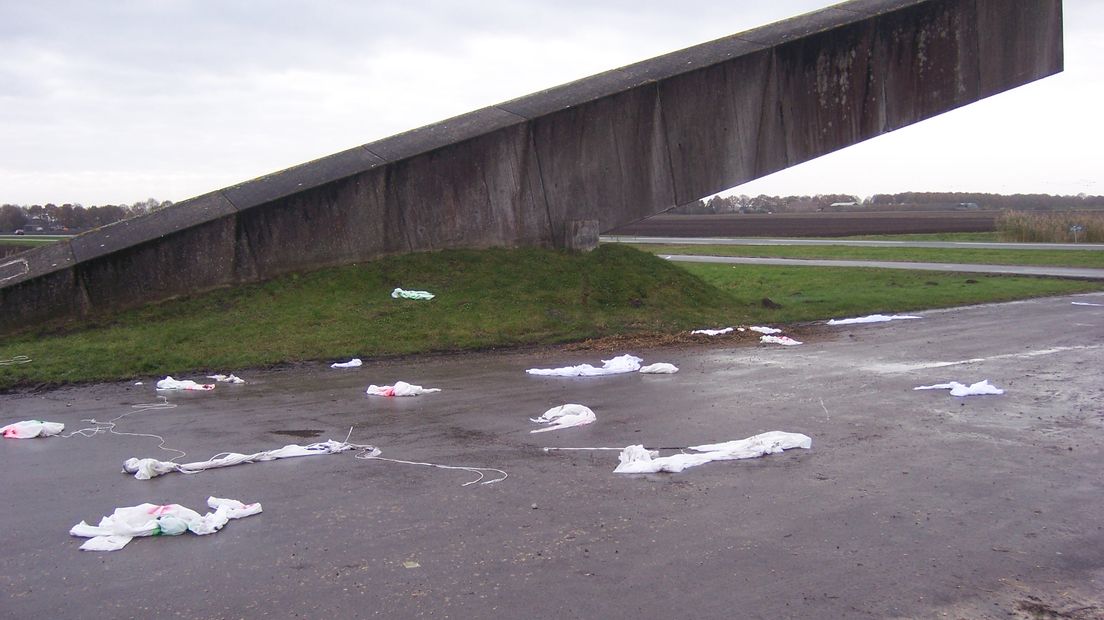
column 711, row 332
column 659, row 368
column 980, row 388
column 564, row 416
column 873, row 318
column 639, row 460
column 765, row 330
column 120, row 527
column 420, row 295
column 353, row 363
column 145, row 469
column 28, row 429
column 168, row 383
column 615, row 366
column 783, row 340
column 401, row 388
column 230, row 378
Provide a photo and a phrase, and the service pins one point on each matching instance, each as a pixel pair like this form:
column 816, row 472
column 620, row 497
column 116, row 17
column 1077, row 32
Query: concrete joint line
column 21, row 268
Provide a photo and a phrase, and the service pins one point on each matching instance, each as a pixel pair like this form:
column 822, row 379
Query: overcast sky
column 121, row 100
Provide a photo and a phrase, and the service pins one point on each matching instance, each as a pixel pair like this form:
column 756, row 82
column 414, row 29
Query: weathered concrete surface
column 613, row 148
column 909, row 505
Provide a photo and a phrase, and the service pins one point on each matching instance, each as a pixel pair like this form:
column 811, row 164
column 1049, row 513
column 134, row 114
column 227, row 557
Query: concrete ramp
column 557, row 167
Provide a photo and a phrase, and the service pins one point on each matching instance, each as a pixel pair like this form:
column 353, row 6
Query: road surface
column 910, row 504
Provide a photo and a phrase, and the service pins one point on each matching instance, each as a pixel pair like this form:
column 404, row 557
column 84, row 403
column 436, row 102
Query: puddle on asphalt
column 303, row 432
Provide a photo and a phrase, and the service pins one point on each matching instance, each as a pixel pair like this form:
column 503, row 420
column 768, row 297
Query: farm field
column 812, row 224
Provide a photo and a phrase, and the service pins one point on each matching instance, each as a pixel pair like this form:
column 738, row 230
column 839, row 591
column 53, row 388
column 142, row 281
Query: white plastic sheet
column 401, row 388
column 783, row 340
column 120, row 527
column 873, row 318
column 765, row 330
column 353, row 363
column 618, row 365
column 230, row 378
column 639, row 460
column 145, row 469
column 419, row 295
column 564, row 416
column 168, row 383
column 981, row 388
column 659, row 368
column 712, row 332
column 28, row 429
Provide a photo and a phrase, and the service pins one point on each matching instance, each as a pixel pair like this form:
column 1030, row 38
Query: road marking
column 894, row 368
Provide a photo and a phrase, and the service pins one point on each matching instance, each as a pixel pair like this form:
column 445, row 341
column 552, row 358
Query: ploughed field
column 811, row 224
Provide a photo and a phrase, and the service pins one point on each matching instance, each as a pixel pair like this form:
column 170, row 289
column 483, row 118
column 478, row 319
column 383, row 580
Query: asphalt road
column 1078, row 273
column 864, row 243
column 910, row 504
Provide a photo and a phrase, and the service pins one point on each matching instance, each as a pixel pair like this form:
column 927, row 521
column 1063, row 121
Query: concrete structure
column 540, row 170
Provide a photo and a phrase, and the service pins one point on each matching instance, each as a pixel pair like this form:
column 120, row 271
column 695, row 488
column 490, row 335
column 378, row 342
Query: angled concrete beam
column 590, row 155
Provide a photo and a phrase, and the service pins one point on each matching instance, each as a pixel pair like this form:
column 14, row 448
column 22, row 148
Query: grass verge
column 485, row 299
column 990, row 237
column 817, row 293
column 1052, row 258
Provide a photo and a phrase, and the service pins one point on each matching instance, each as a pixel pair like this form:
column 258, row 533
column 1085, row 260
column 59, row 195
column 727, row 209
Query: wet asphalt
column 910, row 504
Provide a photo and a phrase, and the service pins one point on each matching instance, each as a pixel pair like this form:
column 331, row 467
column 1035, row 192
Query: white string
column 474, row 470
column 18, row 359
column 372, row 453
column 109, row 426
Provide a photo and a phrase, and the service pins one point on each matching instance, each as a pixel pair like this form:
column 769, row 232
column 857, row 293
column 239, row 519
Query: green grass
column 484, row 299
column 991, row 237
column 1053, row 258
column 489, row 298
column 817, row 293
column 29, row 240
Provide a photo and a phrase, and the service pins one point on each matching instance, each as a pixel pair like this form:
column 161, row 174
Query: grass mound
column 485, row 298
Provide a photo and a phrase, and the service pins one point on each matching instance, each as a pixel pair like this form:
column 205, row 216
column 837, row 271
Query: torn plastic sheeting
column 401, row 388
column 659, row 368
column 353, row 363
column 765, row 330
column 420, row 295
column 618, row 365
column 981, row 388
column 168, row 383
column 712, row 332
column 639, row 460
column 564, row 416
column 783, row 340
column 873, row 318
column 120, row 527
column 28, row 429
column 230, row 378
column 145, row 469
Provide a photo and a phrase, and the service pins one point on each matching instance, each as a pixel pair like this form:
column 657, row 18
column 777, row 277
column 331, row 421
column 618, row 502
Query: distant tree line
column 71, row 218
column 825, row 202
column 1017, row 202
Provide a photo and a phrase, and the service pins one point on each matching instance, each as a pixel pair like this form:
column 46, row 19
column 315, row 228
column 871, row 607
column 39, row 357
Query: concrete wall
column 611, row 149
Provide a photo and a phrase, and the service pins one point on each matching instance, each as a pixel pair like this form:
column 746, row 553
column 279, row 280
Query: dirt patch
column 1037, row 609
